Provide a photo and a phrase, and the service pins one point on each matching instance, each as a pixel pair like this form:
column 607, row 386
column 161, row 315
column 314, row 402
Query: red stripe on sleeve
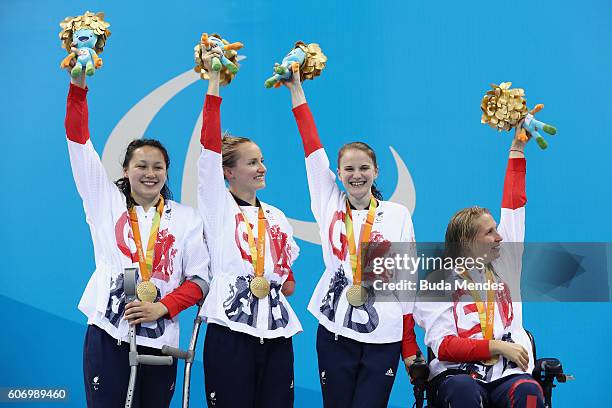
column 409, row 344
column 308, row 129
column 457, row 349
column 290, row 278
column 77, row 115
column 514, row 184
column 210, row 137
column 186, row 295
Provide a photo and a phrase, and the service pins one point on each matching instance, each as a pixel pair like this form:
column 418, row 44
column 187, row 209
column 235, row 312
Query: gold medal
column 260, row 287
column 146, row 291
column 486, row 313
column 356, row 295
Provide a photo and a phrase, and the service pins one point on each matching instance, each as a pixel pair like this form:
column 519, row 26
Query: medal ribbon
column 364, row 236
column 487, row 317
column 257, row 251
column 146, row 262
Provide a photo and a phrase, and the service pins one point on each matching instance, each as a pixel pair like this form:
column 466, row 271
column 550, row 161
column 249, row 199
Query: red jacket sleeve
column 290, row 278
column 77, row 115
column 457, row 349
column 514, row 184
column 186, row 295
column 307, row 128
column 409, row 344
column 210, row 137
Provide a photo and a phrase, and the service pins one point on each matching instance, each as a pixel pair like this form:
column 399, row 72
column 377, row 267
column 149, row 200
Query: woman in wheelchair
column 482, row 352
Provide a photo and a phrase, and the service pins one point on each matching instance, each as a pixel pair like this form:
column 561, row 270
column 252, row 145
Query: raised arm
column 211, row 185
column 210, row 136
column 512, row 219
column 321, row 180
column 92, row 182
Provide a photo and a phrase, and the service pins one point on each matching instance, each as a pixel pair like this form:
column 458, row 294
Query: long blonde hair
column 462, row 230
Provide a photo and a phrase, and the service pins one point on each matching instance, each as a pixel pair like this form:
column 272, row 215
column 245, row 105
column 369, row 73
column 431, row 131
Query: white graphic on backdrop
column 135, row 122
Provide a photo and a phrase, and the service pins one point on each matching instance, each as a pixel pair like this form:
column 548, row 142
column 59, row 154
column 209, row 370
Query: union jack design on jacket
column 230, row 302
column 374, row 322
column 180, row 252
column 453, row 330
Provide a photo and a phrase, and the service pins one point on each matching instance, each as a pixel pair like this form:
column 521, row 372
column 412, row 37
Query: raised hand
column 295, row 87
column 214, row 76
column 521, row 138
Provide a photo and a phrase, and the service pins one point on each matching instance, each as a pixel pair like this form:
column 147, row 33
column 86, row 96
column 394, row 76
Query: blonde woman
column 248, row 351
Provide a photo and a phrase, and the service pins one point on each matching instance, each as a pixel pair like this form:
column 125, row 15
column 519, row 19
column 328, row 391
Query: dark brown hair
column 124, row 183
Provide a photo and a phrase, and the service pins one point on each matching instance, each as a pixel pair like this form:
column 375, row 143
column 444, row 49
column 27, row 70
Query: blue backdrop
column 405, row 74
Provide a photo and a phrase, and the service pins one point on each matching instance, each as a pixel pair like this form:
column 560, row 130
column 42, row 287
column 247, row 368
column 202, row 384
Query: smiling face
column 248, row 172
column 85, row 38
column 357, row 171
column 147, row 173
column 487, row 241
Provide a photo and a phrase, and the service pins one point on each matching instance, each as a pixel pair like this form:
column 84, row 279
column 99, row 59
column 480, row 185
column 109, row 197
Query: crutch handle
column 177, row 353
column 152, row 360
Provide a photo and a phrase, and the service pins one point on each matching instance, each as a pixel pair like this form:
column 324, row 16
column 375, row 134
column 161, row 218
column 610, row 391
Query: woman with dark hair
column 133, row 223
column 248, row 350
column 360, row 338
column 482, row 352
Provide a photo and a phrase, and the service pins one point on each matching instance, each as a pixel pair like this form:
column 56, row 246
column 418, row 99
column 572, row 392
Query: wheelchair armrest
column 546, row 370
column 419, row 372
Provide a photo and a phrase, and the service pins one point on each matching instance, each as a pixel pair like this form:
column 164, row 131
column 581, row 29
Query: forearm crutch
column 189, row 354
column 129, row 287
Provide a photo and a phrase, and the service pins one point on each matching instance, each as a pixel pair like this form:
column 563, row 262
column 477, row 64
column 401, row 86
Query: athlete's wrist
column 161, row 309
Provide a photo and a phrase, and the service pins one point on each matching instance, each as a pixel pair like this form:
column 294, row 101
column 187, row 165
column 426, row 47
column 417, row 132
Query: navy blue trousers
column 514, row 391
column 242, row 372
column 106, row 372
column 355, row 374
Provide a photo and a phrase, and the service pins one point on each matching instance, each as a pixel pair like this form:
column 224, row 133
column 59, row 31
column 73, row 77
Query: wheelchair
column 545, row 372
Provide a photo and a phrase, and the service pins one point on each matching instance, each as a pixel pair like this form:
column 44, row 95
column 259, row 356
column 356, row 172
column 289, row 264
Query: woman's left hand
column 288, row 288
column 141, row 312
column 517, row 148
column 408, row 361
column 295, row 88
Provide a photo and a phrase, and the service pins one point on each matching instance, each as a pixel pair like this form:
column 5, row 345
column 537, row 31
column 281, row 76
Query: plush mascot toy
column 308, row 60
column 503, row 109
column 227, row 66
column 87, row 33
